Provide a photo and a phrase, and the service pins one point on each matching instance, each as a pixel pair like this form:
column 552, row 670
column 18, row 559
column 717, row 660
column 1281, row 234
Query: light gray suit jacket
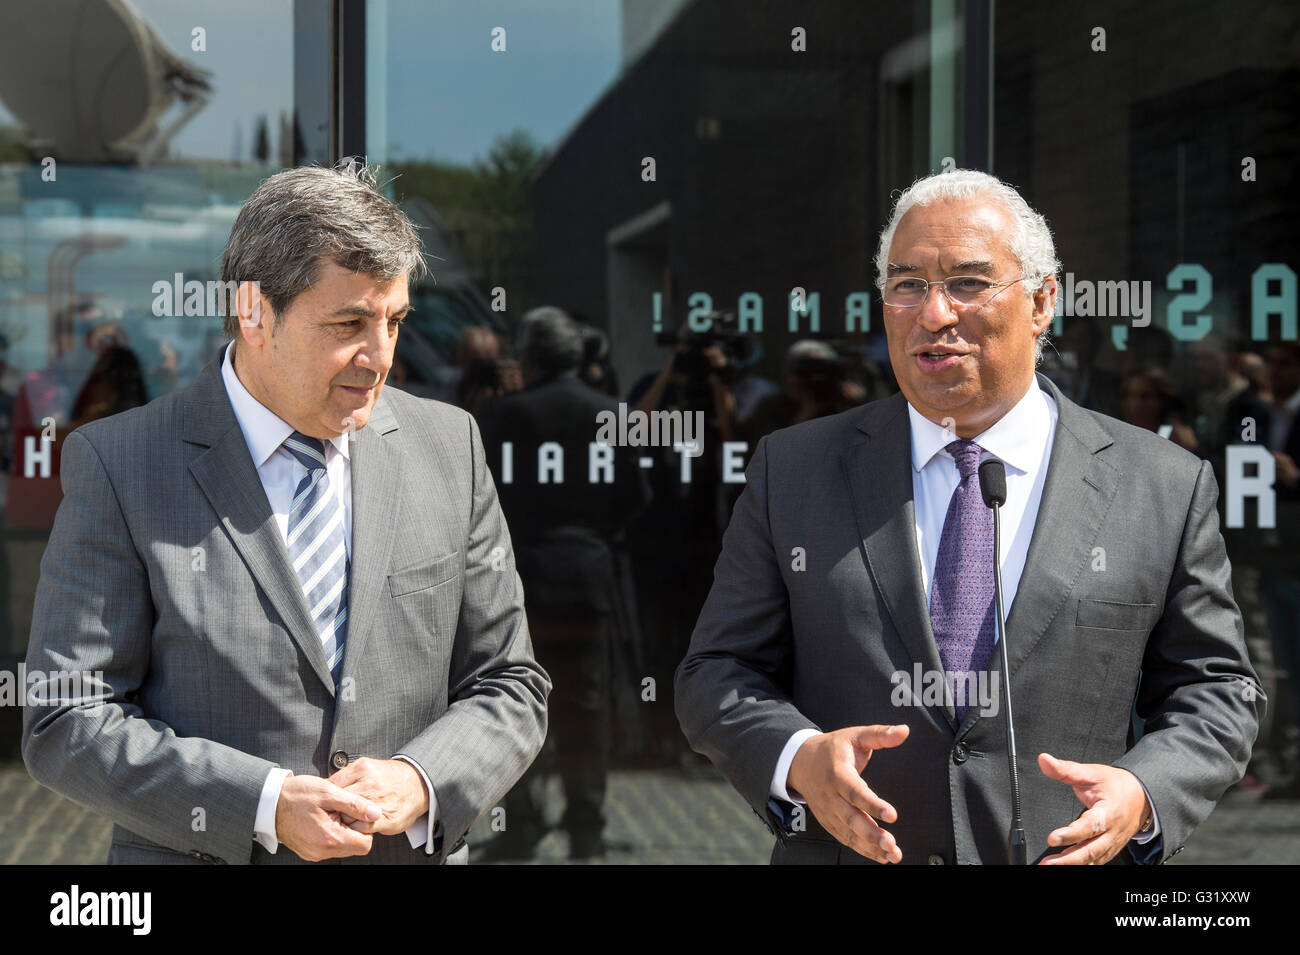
column 165, row 571
column 777, row 649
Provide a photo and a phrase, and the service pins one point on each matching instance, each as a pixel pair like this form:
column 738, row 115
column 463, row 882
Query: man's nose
column 936, row 312
column 376, row 352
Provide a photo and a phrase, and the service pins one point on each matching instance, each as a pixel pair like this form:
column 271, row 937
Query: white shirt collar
column 1016, row 438
column 264, row 430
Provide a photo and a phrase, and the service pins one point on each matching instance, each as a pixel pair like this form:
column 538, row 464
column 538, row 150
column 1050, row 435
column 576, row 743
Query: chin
column 358, row 418
column 337, row 419
column 945, row 395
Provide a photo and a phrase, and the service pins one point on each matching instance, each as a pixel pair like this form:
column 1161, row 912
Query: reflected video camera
column 724, row 332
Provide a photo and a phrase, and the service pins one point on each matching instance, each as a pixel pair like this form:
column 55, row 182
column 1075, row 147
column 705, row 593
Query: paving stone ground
column 665, row 816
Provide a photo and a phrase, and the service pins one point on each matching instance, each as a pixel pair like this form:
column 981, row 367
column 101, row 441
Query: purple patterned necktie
column 961, row 597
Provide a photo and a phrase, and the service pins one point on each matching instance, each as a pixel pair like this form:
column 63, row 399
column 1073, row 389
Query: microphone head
column 993, row 482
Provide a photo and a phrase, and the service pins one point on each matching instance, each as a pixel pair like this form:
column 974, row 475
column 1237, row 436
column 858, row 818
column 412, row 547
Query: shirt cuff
column 783, row 767
column 1149, row 842
column 1144, row 837
column 264, row 822
column 421, row 831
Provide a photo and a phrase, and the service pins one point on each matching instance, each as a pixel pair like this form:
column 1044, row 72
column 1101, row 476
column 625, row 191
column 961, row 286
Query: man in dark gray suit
column 856, row 578
column 296, row 582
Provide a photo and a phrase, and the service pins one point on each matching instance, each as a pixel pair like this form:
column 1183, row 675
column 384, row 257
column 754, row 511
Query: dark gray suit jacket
column 165, row 570
column 777, row 650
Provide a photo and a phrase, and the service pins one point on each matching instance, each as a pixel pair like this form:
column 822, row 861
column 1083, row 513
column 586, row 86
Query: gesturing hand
column 827, row 771
column 393, row 784
column 308, row 819
column 1115, row 807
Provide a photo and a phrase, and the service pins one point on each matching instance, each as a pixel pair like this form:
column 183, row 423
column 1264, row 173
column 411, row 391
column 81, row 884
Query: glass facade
column 130, row 135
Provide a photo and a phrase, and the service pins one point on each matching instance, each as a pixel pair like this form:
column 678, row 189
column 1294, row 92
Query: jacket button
column 339, row 760
column 935, row 860
column 960, row 752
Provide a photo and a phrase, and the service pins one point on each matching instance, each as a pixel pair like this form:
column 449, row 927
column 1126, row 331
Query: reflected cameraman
column 681, row 531
column 699, row 373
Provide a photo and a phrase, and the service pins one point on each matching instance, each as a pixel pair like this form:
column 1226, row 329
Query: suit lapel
column 878, row 470
column 226, row 475
column 378, row 475
column 1077, row 493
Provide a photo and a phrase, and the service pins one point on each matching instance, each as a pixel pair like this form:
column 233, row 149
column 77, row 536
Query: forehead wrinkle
column 971, row 230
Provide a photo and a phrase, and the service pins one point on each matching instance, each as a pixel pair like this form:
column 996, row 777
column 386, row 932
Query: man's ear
column 1045, row 304
column 255, row 314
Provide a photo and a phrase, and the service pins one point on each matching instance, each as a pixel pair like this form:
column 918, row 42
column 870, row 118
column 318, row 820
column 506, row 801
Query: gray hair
column 1031, row 243
column 550, row 341
column 810, row 348
column 299, row 217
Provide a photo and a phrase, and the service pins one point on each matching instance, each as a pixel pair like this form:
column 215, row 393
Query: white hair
column 1031, row 243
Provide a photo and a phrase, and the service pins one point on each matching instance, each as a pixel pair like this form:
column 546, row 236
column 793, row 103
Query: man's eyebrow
column 363, row 311
column 973, row 268
column 898, row 268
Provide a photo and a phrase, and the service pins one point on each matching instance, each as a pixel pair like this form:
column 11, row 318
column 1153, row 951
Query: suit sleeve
column 496, row 721
column 1199, row 696
column 93, row 618
column 733, row 687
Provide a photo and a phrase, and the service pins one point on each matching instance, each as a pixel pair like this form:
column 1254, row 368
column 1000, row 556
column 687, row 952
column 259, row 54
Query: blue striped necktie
column 317, row 549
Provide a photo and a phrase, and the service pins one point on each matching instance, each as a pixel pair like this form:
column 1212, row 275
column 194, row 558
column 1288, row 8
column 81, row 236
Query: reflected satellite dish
column 90, row 80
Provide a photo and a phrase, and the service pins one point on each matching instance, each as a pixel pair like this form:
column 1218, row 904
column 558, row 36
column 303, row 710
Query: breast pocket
column 1116, row 615
column 419, row 620
column 424, row 576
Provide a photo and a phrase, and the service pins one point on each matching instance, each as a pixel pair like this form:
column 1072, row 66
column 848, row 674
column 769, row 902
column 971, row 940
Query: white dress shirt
column 280, row 473
column 1022, row 440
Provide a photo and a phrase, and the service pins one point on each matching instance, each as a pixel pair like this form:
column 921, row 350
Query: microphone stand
column 1017, row 848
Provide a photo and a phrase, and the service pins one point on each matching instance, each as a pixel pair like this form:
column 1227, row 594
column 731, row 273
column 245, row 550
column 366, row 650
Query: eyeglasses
column 908, row 291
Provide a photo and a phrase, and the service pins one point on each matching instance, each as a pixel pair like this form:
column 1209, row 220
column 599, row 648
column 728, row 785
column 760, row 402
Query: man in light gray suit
column 296, row 582
column 856, row 578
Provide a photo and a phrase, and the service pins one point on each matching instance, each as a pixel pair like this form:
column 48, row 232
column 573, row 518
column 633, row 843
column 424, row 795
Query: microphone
column 993, row 487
